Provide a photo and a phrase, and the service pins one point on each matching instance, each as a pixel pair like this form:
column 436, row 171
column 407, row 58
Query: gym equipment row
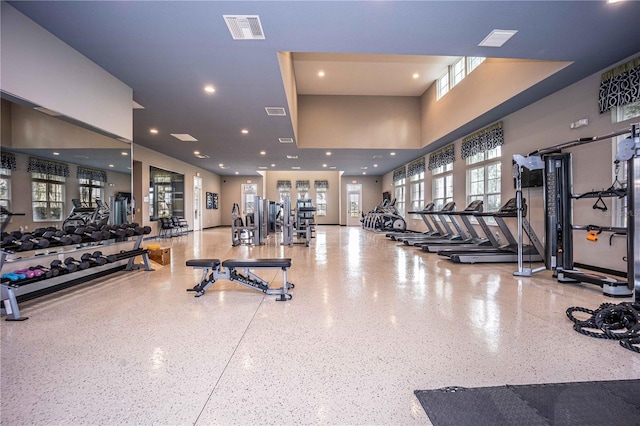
column 83, row 214
column 214, row 269
column 383, row 218
column 297, row 227
column 29, row 274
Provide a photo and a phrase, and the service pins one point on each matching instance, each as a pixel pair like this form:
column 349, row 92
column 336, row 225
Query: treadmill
column 443, row 229
column 473, row 240
column 506, row 253
column 431, row 230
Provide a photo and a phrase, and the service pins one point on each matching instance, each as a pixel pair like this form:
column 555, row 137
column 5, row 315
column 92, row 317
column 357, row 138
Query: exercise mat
column 581, row 403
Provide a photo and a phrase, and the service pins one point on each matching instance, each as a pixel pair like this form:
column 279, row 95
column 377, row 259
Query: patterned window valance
column 284, row 185
column 620, row 86
column 415, row 167
column 321, row 184
column 399, row 174
column 442, row 157
column 92, row 174
column 8, row 161
column 38, row 165
column 483, row 140
column 302, row 185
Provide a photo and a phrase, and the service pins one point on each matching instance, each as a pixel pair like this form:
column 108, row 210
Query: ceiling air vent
column 184, row 137
column 285, row 140
column 244, row 27
column 278, row 111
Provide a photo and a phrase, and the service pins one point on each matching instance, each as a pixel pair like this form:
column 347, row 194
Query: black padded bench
column 214, row 269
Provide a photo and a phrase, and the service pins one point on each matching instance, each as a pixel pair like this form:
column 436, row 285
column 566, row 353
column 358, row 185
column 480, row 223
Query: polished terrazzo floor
column 370, row 322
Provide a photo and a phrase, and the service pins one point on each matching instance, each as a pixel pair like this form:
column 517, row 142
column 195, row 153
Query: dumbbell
column 24, row 241
column 80, row 264
column 114, row 231
column 47, row 272
column 94, row 259
column 63, row 268
column 12, row 276
column 39, row 232
column 62, row 238
column 89, row 232
column 29, row 273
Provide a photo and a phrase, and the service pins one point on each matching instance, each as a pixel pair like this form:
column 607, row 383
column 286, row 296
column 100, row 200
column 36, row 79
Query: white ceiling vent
column 285, row 140
column 497, row 38
column 244, row 27
column 184, row 137
column 277, row 111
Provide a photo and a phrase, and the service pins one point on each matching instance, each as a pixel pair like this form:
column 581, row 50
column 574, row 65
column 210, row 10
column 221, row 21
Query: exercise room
column 319, row 212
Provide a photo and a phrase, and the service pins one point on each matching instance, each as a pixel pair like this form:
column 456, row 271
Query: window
column 625, row 112
column 321, row 202
column 5, row 188
column 399, row 195
column 166, row 194
column 90, row 190
column 47, row 197
column 458, row 71
column 443, row 85
column 484, row 180
column 473, row 62
column 417, row 192
column 442, row 186
column 283, row 194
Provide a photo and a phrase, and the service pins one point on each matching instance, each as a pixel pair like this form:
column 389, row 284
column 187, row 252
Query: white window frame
column 485, row 160
column 443, row 179
column 457, row 72
column 51, row 183
column 5, row 194
column 90, row 190
column 473, row 62
column 416, row 195
column 399, row 193
column 442, row 85
column 321, row 202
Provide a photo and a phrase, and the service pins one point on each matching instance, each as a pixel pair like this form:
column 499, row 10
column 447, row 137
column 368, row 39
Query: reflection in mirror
column 166, row 193
column 49, row 163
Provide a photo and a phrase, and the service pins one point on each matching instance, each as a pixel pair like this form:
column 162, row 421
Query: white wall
column 40, row 68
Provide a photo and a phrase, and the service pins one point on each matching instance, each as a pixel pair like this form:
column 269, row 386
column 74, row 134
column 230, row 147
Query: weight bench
column 214, row 269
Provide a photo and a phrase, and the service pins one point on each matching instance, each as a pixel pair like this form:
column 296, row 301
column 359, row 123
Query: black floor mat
column 582, row 403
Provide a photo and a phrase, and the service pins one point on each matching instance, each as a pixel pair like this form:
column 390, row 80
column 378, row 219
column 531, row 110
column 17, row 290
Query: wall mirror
column 166, row 193
column 97, row 166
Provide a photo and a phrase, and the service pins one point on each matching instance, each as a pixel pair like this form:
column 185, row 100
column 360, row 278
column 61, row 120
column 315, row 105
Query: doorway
column 249, row 192
column 354, row 204
column 197, row 203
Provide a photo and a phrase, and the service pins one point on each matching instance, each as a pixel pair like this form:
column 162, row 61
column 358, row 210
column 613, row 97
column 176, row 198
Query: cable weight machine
column 558, row 202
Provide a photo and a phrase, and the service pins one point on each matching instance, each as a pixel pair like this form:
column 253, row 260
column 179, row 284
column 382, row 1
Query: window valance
column 302, row 185
column 283, row 185
column 620, row 86
column 399, row 174
column 416, row 167
column 38, row 165
column 321, row 184
column 442, row 157
column 483, row 140
column 8, row 161
column 92, row 174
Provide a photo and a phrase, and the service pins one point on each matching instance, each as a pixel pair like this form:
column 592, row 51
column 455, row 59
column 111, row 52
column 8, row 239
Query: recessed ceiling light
column 324, row 165
column 295, row 167
column 320, row 73
column 56, row 153
column 375, row 165
column 184, row 137
column 209, row 89
column 244, row 131
column 125, row 153
column 111, row 165
column 328, row 152
column 416, row 75
column 364, row 173
column 497, row 38
column 196, row 152
column 292, row 157
column 220, row 165
column 237, row 173
column 154, row 131
column 273, row 165
column 263, row 153
column 392, row 153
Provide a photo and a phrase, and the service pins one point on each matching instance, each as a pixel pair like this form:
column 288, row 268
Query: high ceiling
column 167, row 51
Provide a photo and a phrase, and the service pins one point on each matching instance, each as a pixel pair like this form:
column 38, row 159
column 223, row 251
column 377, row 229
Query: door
column 197, row 203
column 249, row 192
column 354, row 204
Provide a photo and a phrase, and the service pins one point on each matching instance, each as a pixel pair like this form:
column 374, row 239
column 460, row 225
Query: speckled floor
column 370, row 322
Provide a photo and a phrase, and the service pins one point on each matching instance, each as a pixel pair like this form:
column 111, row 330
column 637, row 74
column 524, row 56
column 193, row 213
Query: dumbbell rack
column 29, row 288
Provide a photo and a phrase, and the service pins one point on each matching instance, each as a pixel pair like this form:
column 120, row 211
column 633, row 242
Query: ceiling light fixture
column 196, row 152
column 111, row 165
column 237, row 173
column 392, row 154
column 292, row 157
column 154, row 131
column 364, row 173
column 320, row 73
column 497, row 38
column 328, row 152
column 209, row 89
column 416, row 75
column 220, row 165
column 324, row 165
column 375, row 165
column 244, row 131
column 263, row 153
column 56, row 153
column 273, row 165
column 125, row 153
